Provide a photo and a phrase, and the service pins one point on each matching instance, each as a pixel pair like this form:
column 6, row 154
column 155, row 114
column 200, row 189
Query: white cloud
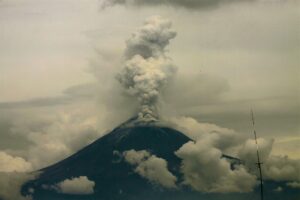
column 10, row 163
column 151, row 167
column 215, row 140
column 204, row 169
column 293, row 184
column 79, row 185
column 247, row 153
column 278, row 189
column 276, row 168
column 282, row 168
column 222, row 138
column 59, row 133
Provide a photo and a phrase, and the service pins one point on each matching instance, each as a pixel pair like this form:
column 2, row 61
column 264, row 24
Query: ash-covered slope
column 102, row 162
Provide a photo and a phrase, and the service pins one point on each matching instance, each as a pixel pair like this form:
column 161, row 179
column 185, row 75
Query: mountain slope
column 103, row 163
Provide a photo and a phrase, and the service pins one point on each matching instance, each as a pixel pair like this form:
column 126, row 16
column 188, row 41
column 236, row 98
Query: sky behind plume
column 59, row 60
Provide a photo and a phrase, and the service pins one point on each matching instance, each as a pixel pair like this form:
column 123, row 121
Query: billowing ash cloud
column 11, row 183
column 147, row 68
column 151, row 167
column 205, row 170
column 78, row 185
column 190, row 4
column 215, row 174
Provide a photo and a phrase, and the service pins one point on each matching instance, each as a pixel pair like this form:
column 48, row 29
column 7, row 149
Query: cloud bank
column 146, row 69
column 216, row 173
column 205, row 170
column 151, row 167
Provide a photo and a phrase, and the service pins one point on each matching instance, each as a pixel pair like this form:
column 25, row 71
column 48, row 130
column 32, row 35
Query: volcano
column 114, row 178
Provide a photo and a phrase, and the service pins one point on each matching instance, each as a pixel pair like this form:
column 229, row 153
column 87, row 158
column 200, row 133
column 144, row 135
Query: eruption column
column 146, row 67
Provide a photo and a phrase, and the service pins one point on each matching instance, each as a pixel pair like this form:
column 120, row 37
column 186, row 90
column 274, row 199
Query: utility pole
column 258, row 159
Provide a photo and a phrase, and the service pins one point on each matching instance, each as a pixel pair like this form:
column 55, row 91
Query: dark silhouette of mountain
column 114, row 178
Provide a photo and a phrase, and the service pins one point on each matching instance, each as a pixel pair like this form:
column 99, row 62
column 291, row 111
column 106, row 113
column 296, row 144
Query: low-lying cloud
column 78, row 185
column 205, row 170
column 216, row 173
column 151, row 167
column 11, row 183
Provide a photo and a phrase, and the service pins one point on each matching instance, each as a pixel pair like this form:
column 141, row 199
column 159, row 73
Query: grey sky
column 58, row 60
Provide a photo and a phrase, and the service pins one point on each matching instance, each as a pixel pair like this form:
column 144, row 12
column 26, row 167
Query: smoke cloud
column 146, row 67
column 151, row 167
column 205, row 170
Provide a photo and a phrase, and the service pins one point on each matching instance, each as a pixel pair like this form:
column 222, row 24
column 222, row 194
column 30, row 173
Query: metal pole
column 258, row 159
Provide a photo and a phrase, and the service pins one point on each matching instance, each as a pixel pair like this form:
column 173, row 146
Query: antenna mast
column 258, row 159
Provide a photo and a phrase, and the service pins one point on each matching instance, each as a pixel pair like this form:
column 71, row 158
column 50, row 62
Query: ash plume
column 146, row 67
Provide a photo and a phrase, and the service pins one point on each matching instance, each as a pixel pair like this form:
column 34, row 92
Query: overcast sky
column 59, row 58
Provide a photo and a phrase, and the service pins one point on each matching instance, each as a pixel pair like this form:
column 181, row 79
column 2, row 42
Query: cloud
column 189, row 4
column 215, row 140
column 278, row 189
column 79, row 185
column 211, row 141
column 203, row 89
column 10, row 163
column 151, row 167
column 276, row 168
column 71, row 94
column 282, row 168
column 151, row 39
column 65, row 134
column 247, row 153
column 58, row 131
column 37, row 102
column 11, row 183
column 222, row 138
column 293, row 184
column 205, row 170
column 146, row 68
